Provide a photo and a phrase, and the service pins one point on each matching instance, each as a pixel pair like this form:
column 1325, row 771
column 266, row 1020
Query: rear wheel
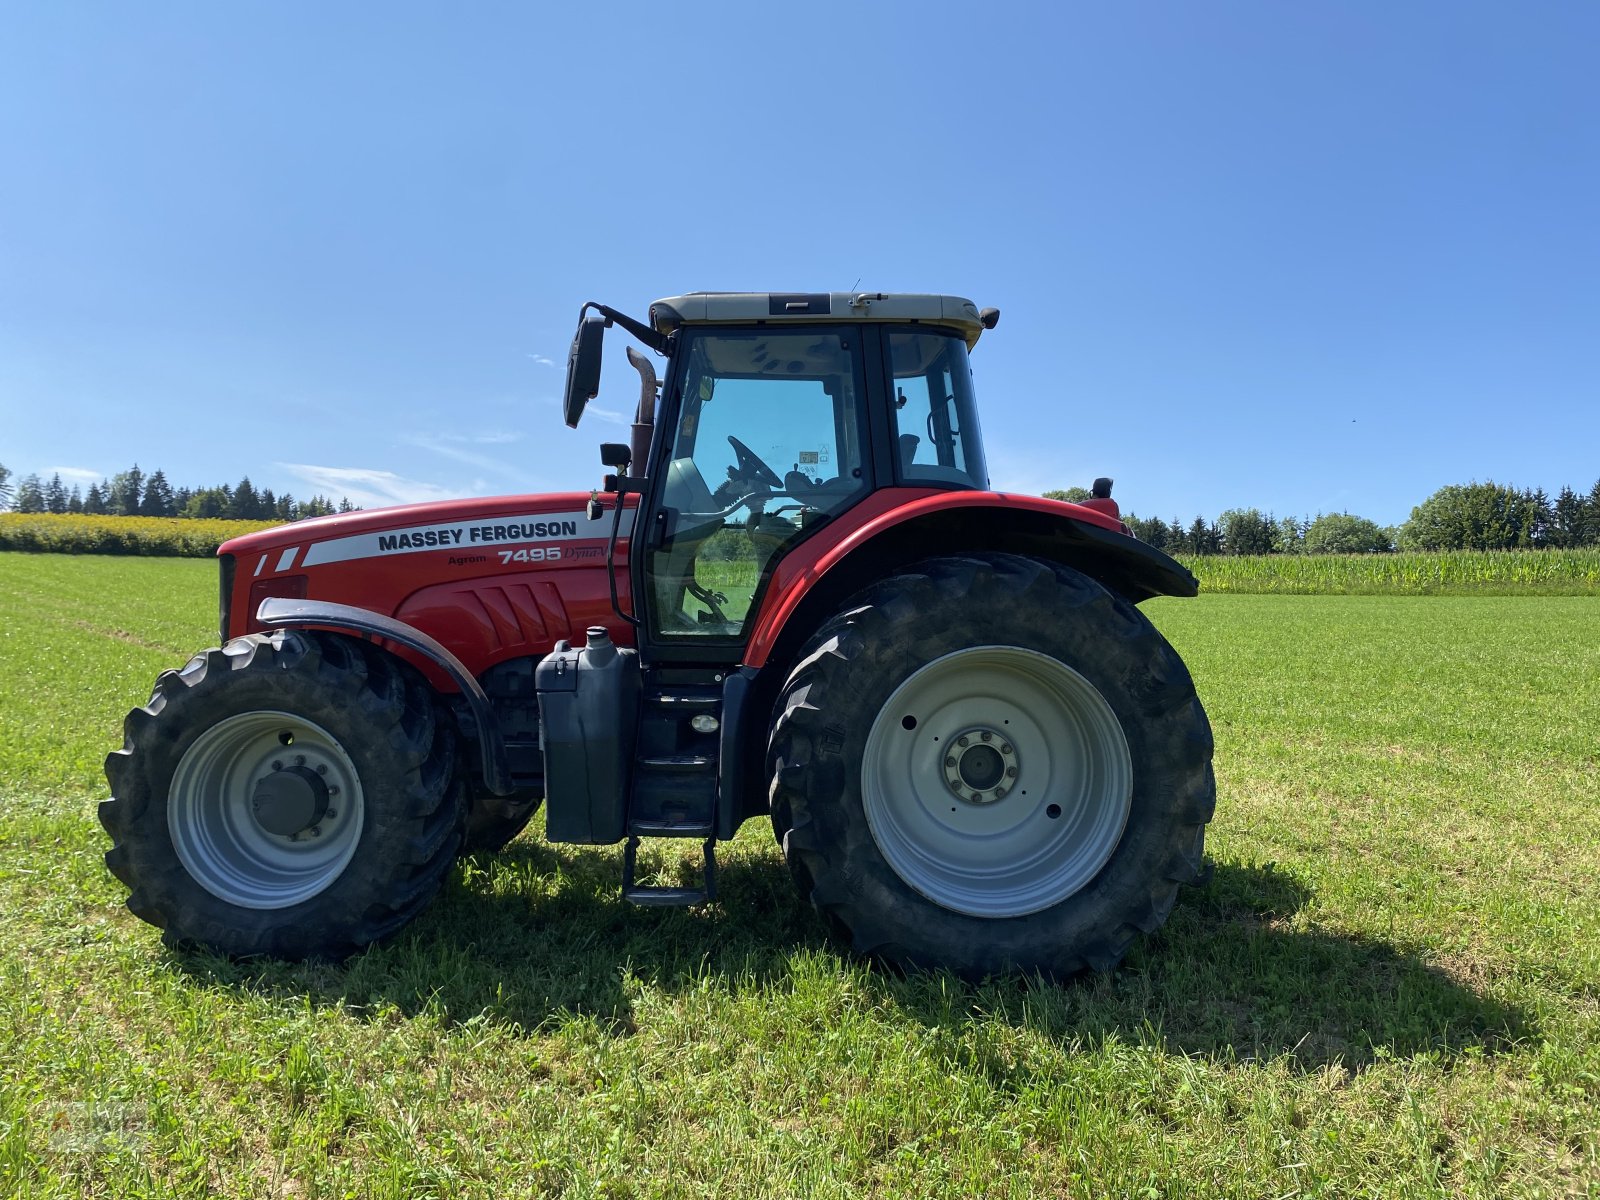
column 991, row 763
column 292, row 794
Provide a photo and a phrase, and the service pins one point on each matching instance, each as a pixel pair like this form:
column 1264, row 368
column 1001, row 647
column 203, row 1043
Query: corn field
column 1445, row 572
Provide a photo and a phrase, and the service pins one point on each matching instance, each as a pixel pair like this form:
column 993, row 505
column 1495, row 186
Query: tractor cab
column 775, row 415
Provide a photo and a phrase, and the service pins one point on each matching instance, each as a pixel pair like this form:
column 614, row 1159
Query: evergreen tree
column 1566, row 519
column 1073, row 495
column 1178, row 538
column 5, row 487
column 75, row 501
column 286, row 507
column 30, row 495
column 1248, row 531
column 246, row 504
column 345, row 505
column 125, row 491
column 1541, row 518
column 269, row 504
column 158, row 500
column 1204, row 538
column 180, row 500
column 1292, row 535
column 55, row 495
column 94, row 502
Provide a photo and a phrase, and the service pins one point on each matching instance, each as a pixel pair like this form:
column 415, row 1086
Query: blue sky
column 1302, row 257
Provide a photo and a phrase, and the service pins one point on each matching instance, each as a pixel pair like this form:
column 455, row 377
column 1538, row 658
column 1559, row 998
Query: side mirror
column 616, row 454
column 583, row 368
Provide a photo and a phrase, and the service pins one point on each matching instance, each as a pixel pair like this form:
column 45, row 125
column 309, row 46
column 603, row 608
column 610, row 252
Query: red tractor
column 797, row 598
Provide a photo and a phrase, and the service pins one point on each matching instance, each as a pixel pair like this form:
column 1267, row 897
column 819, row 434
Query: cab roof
column 750, row 308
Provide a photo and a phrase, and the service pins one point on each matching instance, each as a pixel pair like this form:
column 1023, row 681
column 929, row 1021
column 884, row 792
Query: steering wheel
column 752, row 467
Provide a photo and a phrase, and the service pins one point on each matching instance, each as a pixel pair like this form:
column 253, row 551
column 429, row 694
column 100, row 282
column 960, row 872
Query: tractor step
column 669, row 897
column 672, row 829
column 679, row 702
column 679, row 762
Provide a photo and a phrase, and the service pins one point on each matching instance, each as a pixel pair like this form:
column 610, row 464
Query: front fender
column 279, row 612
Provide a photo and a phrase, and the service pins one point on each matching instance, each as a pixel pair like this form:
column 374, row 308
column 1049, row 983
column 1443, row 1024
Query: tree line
column 1472, row 516
column 133, row 493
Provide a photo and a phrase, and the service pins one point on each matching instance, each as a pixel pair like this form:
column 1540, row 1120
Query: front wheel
column 991, row 763
column 290, row 794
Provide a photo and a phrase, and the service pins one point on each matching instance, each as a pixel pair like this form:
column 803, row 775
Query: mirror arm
column 656, row 341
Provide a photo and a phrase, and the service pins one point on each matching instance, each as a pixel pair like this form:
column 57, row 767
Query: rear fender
column 891, row 530
column 810, row 584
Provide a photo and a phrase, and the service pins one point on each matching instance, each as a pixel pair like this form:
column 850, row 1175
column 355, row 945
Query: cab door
column 766, row 441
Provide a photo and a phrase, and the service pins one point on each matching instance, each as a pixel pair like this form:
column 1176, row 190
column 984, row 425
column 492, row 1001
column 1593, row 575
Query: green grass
column 1442, row 573
column 1391, row 987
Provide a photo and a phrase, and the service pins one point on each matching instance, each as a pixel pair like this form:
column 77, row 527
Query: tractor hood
column 428, row 563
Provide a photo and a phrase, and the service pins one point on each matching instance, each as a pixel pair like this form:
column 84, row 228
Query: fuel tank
column 492, row 579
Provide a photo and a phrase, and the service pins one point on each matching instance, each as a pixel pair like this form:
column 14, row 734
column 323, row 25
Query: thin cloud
column 457, row 448
column 368, row 488
column 75, row 474
column 607, row 414
column 542, row 360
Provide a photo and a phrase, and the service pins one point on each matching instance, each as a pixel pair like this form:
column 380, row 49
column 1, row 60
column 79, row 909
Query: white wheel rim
column 215, row 828
column 992, row 847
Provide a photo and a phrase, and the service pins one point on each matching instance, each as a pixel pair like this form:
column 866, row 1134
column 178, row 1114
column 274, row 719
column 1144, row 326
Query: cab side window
column 937, row 439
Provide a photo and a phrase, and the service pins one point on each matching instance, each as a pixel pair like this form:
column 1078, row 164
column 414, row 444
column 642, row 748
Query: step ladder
column 674, row 791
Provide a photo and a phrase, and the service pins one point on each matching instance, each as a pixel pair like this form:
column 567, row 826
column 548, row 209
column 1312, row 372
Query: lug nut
column 978, row 796
column 1004, row 749
column 963, row 740
column 316, row 831
column 322, row 768
column 999, row 792
column 1011, row 772
column 333, row 790
column 330, row 814
column 950, row 760
column 986, row 736
column 299, row 760
column 277, row 764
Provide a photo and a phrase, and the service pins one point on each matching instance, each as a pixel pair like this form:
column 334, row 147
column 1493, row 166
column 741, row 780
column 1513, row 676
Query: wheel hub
column 980, row 766
column 288, row 802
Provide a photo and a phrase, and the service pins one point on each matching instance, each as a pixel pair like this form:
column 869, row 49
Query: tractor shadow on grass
column 538, row 937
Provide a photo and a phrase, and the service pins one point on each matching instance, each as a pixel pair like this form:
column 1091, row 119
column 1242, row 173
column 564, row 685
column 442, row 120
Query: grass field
column 1390, row 988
